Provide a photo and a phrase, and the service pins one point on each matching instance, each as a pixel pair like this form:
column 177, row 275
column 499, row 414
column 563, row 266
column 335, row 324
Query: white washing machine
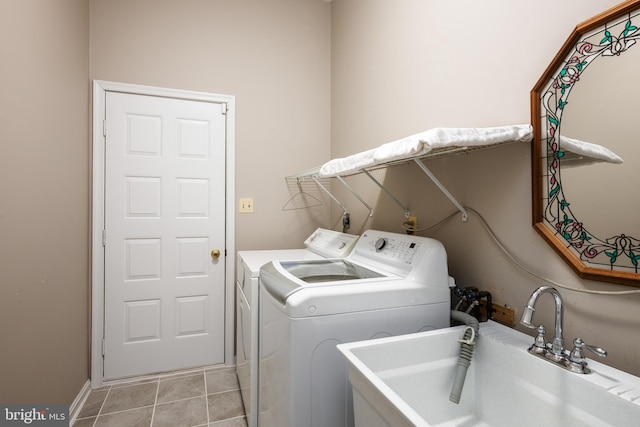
column 322, row 243
column 390, row 284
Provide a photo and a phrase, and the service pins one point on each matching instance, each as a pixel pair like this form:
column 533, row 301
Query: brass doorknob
column 215, row 253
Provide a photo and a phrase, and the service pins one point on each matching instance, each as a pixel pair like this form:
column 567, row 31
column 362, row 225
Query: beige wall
column 409, row 65
column 44, row 200
column 274, row 56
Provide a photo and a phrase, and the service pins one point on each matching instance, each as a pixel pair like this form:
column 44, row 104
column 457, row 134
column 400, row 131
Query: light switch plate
column 245, row 205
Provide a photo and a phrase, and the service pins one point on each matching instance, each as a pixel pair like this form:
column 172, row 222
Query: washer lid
column 282, row 279
column 327, row 270
column 253, row 260
column 300, row 299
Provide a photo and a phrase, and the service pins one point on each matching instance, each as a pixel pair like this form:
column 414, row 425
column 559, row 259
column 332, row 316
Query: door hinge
column 225, row 108
column 104, row 128
column 104, row 237
column 103, row 345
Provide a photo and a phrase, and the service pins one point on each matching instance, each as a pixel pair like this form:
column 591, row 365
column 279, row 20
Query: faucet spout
column 557, row 346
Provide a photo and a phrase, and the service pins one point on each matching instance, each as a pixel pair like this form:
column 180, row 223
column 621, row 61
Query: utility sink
column 406, row 381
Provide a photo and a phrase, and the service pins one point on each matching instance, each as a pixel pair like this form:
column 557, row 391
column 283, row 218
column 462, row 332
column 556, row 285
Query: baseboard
column 76, row 406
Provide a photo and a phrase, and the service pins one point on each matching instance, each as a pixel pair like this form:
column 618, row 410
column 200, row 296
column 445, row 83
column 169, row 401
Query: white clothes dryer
column 390, row 284
column 320, row 244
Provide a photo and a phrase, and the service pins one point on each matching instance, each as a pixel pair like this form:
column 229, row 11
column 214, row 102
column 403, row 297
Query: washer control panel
column 397, row 248
column 398, row 253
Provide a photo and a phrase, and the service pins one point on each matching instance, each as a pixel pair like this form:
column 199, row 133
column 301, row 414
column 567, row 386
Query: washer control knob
column 380, row 244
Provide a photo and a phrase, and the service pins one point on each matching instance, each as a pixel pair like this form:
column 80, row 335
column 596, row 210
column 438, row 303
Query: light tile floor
column 206, row 397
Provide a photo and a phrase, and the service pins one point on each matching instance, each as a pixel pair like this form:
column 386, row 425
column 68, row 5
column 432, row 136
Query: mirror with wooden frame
column 586, row 148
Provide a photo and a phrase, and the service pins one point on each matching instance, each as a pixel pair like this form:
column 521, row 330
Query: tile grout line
column 121, row 411
column 182, row 399
column 155, row 402
column 206, row 395
column 102, row 406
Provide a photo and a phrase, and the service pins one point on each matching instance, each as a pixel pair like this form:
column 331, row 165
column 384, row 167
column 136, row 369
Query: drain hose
column 467, row 345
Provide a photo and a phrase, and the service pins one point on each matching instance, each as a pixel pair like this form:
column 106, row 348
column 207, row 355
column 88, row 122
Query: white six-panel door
column 164, row 220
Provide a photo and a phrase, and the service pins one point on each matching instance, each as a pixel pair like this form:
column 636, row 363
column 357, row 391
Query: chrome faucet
column 573, row 361
column 527, row 316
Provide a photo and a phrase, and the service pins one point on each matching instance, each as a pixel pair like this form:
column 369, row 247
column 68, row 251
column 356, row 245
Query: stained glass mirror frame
column 613, row 259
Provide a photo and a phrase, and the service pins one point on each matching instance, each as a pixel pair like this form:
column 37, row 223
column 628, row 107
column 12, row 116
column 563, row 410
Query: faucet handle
column 598, row 351
column 577, row 356
column 539, row 346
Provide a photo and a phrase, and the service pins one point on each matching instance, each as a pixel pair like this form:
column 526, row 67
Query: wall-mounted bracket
column 323, row 188
column 442, row 188
column 388, row 193
column 356, row 194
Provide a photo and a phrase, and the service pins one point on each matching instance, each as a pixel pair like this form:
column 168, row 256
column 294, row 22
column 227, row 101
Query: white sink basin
column 406, row 381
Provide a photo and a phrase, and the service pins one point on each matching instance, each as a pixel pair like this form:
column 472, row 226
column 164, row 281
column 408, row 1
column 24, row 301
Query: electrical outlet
column 245, row 205
column 504, row 314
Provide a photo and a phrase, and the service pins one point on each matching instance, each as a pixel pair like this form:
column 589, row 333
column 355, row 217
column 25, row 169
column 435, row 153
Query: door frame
column 100, row 89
